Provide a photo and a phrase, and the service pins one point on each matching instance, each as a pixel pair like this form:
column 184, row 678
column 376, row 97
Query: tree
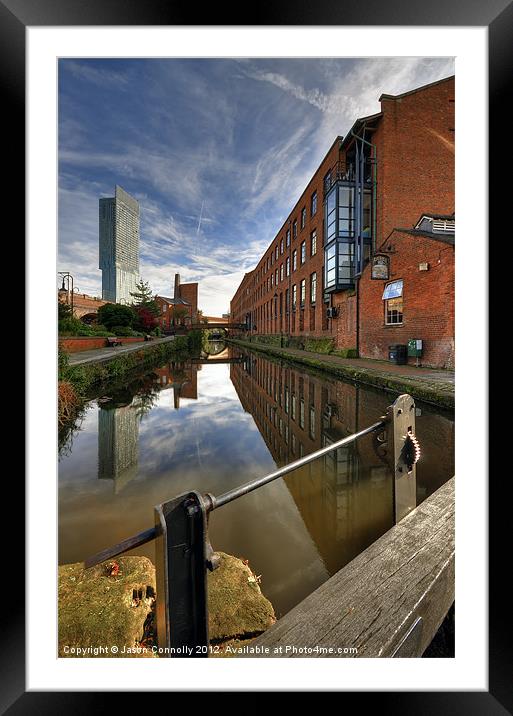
column 179, row 313
column 145, row 305
column 115, row 314
column 146, row 320
column 63, row 311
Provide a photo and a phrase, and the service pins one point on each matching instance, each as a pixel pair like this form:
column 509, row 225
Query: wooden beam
column 389, row 601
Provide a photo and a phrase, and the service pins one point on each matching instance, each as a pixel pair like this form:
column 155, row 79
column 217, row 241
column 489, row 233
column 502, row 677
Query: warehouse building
column 348, row 256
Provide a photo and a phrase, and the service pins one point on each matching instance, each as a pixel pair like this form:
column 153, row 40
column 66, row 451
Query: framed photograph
column 199, row 201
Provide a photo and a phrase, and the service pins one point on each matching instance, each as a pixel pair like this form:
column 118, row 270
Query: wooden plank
column 390, row 600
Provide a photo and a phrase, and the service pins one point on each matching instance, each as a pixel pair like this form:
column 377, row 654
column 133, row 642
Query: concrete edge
column 391, row 384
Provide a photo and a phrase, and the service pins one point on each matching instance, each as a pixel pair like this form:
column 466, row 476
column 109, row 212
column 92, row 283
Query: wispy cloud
column 216, row 152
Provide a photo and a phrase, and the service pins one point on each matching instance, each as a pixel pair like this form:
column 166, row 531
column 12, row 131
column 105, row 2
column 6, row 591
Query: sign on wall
column 380, row 267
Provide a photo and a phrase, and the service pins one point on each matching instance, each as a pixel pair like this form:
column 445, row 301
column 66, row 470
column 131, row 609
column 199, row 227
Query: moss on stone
column 236, row 604
column 96, row 609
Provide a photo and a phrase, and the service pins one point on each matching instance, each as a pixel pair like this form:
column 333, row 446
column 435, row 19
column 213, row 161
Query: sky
column 216, row 151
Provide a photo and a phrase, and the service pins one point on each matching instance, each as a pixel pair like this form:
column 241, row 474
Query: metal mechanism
column 403, row 452
column 184, row 552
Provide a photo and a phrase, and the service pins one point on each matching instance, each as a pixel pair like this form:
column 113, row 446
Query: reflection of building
column 343, row 504
column 181, row 309
column 118, row 434
column 182, row 378
column 119, row 246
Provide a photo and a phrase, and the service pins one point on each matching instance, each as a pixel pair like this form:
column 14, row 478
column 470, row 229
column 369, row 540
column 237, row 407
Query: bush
column 346, row 353
column 122, row 331
column 156, row 332
column 319, row 345
column 112, row 315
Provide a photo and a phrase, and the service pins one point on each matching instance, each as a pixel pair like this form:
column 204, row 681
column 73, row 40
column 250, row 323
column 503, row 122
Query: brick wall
column 414, row 139
column 415, row 146
column 428, row 301
column 77, row 344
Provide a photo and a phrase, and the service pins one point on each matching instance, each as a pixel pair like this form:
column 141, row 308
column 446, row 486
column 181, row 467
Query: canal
column 215, row 423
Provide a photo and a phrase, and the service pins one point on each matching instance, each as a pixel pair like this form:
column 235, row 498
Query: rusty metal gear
column 411, row 450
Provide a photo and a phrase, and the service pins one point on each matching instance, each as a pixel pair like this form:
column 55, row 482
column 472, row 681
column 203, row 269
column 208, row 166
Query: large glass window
column 303, row 252
column 303, row 292
column 281, row 246
column 294, row 260
column 287, row 266
column 294, row 297
column 331, row 266
column 294, row 229
column 287, row 237
column 313, row 242
column 313, row 204
column 303, row 217
column 281, row 272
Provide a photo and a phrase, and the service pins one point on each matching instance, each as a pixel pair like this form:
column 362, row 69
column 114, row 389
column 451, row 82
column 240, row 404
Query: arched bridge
column 224, row 326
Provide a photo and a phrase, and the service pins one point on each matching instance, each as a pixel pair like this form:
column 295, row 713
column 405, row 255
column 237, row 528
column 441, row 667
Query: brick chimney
column 177, row 286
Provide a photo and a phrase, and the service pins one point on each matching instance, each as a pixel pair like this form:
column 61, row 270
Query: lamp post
column 67, row 281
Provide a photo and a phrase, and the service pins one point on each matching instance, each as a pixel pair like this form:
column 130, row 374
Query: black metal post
column 181, row 560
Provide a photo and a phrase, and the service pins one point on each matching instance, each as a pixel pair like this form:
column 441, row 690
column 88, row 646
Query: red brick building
column 391, row 168
column 181, row 309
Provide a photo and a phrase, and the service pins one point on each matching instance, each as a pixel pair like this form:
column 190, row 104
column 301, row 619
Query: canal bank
column 427, row 384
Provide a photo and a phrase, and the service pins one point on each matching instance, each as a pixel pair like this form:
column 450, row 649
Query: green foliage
column 319, row 345
column 115, row 314
column 346, row 353
column 142, row 294
column 156, row 331
column 197, row 340
column 122, row 331
column 63, row 311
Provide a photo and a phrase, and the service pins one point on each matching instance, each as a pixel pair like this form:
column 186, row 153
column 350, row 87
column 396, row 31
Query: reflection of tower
column 118, row 434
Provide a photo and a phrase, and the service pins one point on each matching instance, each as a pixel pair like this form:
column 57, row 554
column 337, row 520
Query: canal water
column 214, row 423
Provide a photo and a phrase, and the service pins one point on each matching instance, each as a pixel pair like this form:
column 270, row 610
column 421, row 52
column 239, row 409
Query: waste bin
column 398, row 354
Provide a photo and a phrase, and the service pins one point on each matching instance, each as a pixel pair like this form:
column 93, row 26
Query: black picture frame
column 497, row 15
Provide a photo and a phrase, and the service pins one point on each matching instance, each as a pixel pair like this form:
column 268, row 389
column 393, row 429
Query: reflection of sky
column 212, row 445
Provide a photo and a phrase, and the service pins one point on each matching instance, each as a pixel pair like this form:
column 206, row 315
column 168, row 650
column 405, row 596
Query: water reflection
column 221, row 420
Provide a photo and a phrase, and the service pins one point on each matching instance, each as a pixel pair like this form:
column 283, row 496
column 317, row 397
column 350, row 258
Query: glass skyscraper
column 119, row 246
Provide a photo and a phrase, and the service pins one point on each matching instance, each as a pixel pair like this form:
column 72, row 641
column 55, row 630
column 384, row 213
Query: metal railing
column 183, row 549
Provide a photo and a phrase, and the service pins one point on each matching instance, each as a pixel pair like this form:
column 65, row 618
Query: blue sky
column 217, row 151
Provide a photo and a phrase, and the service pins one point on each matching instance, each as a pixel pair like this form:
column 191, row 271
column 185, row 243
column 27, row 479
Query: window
column 276, row 277
column 393, row 298
column 313, row 242
column 287, row 237
column 302, row 295
column 294, row 260
column 302, row 414
column 312, row 422
column 281, row 272
column 294, row 297
column 276, row 252
column 287, row 300
column 281, row 246
column 313, row 204
column 294, row 229
column 303, row 217
column 327, row 181
column 313, row 287
column 164, row 307
column 287, row 266
column 293, row 407
column 272, row 280
column 303, row 252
